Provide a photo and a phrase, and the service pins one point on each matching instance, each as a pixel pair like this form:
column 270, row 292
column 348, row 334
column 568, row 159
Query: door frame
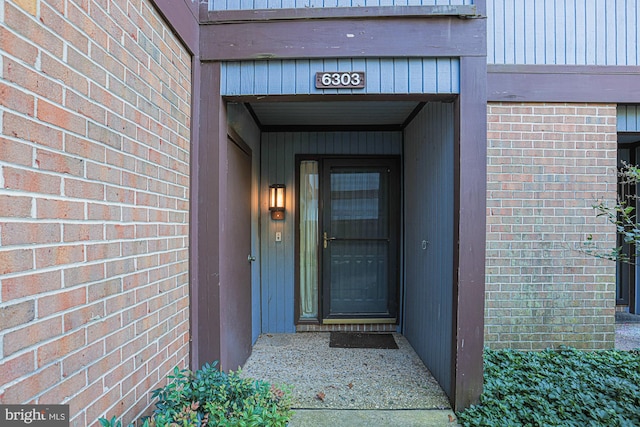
column 394, row 232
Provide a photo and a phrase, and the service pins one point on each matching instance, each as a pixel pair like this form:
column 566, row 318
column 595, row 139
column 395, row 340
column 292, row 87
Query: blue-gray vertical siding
column 278, row 167
column 293, row 4
column 383, row 76
column 241, row 121
column 628, row 118
column 429, row 213
column 567, row 32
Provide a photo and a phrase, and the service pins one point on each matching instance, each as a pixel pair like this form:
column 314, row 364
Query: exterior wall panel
column 628, row 118
column 565, row 32
column 383, row 76
column 278, row 167
column 429, row 214
column 295, row 4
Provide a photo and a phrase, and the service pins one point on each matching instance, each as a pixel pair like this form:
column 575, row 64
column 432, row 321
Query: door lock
column 327, row 239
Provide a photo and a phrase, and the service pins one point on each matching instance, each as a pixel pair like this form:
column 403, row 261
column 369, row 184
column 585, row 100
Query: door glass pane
column 309, row 239
column 359, row 206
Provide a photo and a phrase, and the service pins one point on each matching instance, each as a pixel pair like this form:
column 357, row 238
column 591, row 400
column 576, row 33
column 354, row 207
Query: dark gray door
column 360, row 238
column 236, row 289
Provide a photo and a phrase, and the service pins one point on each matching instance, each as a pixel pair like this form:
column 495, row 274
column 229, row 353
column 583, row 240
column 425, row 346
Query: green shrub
column 563, row 387
column 210, row 397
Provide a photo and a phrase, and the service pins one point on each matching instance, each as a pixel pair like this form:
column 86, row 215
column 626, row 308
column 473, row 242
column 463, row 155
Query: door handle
column 250, row 258
column 327, row 239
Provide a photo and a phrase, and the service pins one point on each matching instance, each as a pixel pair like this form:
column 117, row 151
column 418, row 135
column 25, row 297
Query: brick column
column 548, row 164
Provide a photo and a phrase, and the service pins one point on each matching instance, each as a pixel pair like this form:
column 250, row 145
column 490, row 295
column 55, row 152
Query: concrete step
column 372, row 418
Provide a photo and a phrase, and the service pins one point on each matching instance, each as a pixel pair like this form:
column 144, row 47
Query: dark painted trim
column 237, row 139
column 182, row 17
column 413, row 114
column 563, row 83
column 331, row 38
column 206, row 216
column 253, row 114
column 194, row 188
column 471, row 194
column 254, row 99
column 229, row 16
column 456, row 252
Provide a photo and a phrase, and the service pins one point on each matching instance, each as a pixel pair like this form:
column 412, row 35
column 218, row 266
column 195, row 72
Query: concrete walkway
column 329, row 378
column 336, row 387
column 372, row 418
column 627, row 338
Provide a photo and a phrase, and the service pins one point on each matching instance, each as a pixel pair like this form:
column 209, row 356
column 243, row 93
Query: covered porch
column 428, row 125
column 325, row 377
column 419, row 136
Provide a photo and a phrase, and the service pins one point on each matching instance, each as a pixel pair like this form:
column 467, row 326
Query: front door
column 359, row 239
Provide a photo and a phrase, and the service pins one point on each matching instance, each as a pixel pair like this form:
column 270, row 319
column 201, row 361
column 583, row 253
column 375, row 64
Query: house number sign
column 340, row 80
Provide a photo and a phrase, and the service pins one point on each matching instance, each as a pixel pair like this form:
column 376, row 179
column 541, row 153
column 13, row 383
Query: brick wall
column 94, row 181
column 547, row 165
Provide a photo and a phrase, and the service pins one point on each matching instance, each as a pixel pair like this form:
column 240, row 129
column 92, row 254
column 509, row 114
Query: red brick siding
column 547, row 165
column 94, row 174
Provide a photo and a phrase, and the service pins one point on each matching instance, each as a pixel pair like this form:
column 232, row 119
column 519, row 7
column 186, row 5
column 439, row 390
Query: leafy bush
column 563, row 387
column 623, row 216
column 210, row 397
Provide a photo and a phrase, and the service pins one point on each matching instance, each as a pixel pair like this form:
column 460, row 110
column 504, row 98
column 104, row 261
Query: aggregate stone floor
column 627, row 331
column 323, row 377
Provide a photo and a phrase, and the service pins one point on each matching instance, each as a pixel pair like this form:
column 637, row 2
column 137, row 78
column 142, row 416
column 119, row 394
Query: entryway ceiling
column 334, row 113
column 628, row 138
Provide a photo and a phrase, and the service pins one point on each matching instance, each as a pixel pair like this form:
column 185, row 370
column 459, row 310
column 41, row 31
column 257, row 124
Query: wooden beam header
column 252, row 15
column 339, row 38
column 563, row 83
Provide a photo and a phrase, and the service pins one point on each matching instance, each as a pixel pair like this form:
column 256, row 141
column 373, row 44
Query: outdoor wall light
column 276, row 201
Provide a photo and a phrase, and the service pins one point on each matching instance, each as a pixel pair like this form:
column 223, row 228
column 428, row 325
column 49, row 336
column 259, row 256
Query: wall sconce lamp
column 276, row 201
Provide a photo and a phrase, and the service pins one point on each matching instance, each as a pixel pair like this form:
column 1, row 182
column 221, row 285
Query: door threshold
column 351, row 327
column 364, row 321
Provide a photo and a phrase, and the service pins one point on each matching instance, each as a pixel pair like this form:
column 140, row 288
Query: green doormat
column 362, row 340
